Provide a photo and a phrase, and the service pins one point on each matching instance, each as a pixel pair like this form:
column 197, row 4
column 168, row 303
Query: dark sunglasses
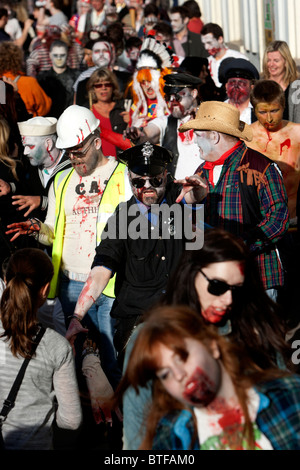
column 140, row 182
column 79, row 154
column 177, row 97
column 103, row 85
column 216, row 287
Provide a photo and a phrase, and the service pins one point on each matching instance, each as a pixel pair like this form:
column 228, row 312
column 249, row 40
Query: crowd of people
column 149, row 226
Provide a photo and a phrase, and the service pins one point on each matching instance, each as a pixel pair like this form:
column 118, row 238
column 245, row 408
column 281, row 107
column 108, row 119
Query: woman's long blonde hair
column 4, row 148
column 291, row 73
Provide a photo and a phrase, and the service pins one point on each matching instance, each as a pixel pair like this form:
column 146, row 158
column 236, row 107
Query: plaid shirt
column 278, row 419
column 223, row 208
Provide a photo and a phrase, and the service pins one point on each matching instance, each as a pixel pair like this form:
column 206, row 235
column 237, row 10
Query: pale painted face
column 205, row 144
column 275, row 64
column 215, row 307
column 194, row 379
column 148, row 90
column 58, row 57
column 181, row 103
column 148, row 194
column 212, row 45
column 101, row 54
column 177, row 22
column 35, row 149
column 270, row 115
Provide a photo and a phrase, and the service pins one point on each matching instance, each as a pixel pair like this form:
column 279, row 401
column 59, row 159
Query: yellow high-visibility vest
column 114, row 193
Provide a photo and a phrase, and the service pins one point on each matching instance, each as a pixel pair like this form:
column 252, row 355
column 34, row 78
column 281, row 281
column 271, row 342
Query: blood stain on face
column 199, row 388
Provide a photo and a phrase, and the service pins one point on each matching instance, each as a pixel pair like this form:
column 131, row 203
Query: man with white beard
column 246, row 191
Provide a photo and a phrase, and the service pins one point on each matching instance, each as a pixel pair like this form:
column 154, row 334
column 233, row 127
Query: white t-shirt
column 189, row 155
column 214, row 64
column 83, row 196
column 211, row 426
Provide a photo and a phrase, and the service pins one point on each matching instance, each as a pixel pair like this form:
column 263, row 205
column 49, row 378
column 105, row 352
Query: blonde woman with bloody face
column 207, row 393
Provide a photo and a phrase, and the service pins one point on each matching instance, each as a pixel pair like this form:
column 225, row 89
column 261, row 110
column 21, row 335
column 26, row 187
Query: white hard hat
column 74, row 125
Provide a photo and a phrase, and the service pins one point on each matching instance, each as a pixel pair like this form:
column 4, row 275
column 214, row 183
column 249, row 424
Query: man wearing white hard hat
column 80, row 202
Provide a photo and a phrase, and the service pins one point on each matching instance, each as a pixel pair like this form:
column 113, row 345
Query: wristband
column 76, row 317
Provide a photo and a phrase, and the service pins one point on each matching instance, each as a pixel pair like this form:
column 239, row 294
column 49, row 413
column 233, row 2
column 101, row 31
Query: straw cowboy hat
column 220, row 117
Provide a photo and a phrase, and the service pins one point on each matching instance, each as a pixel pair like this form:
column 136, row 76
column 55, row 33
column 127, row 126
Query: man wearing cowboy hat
column 239, row 76
column 246, row 192
column 141, row 260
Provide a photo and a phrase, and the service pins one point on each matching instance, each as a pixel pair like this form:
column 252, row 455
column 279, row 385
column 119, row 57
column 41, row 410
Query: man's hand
column 134, row 134
column 194, row 189
column 75, row 327
column 100, row 390
column 33, row 202
column 4, row 188
column 23, row 228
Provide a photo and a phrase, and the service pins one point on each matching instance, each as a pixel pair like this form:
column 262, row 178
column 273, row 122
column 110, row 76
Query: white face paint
column 101, row 54
column 36, row 151
column 58, row 57
column 211, row 44
column 204, row 143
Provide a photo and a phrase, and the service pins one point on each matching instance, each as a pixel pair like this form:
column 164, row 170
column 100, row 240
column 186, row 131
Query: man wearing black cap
column 181, row 97
column 141, row 242
column 239, row 76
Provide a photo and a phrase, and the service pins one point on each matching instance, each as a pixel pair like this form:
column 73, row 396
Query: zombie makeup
column 270, row 115
column 200, row 389
column 101, row 54
column 211, row 44
column 180, row 103
column 148, row 90
column 36, row 151
column 204, row 143
column 148, row 194
column 238, row 90
column 192, row 376
column 84, row 160
column 215, row 285
column 58, row 57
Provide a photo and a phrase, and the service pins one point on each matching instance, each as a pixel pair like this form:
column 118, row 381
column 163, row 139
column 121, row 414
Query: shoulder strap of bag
column 10, row 401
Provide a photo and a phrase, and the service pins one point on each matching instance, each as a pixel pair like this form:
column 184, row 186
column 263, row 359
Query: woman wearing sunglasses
column 108, row 106
column 221, row 283
column 207, row 393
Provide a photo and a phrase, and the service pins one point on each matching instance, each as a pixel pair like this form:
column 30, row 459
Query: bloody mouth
column 199, row 389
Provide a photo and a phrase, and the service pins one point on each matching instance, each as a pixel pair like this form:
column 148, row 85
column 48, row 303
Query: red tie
column 211, row 165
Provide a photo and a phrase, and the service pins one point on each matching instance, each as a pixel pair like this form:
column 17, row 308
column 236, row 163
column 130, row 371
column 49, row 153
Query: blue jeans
column 98, row 318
